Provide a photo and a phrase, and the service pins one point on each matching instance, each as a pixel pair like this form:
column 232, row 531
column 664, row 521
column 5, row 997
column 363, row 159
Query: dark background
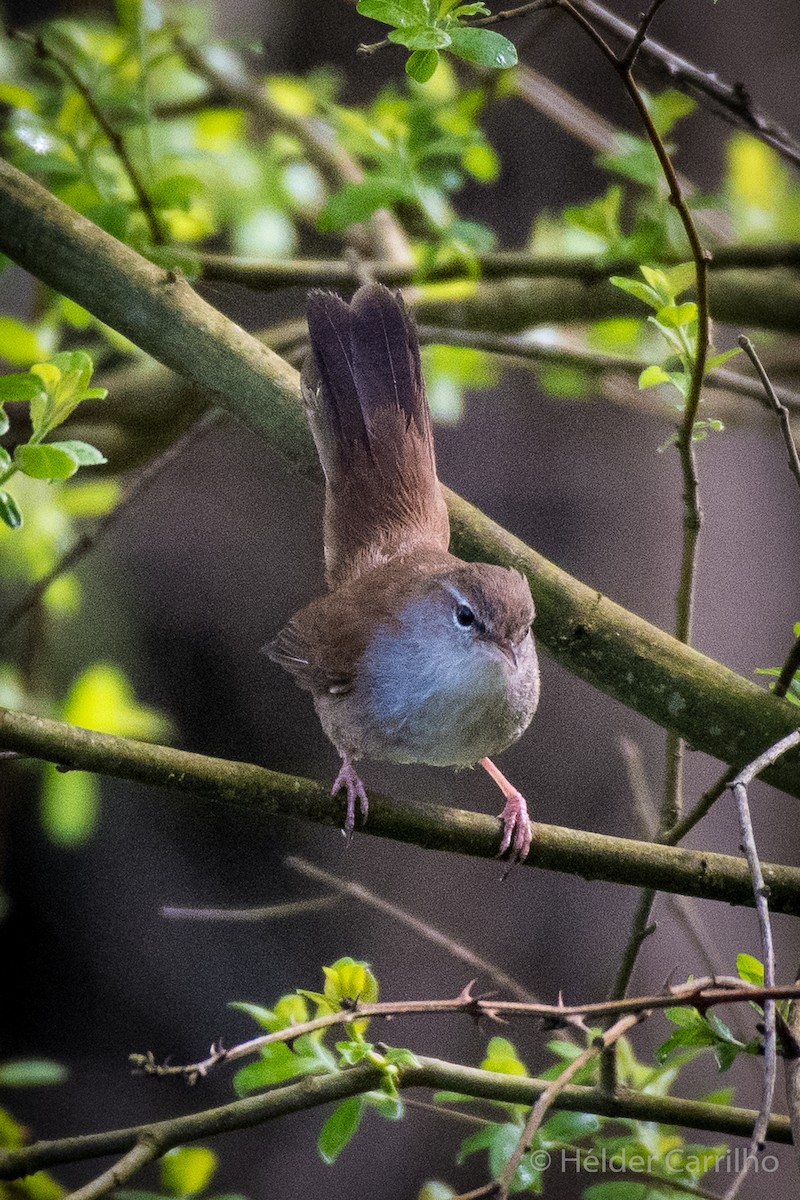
column 207, row 567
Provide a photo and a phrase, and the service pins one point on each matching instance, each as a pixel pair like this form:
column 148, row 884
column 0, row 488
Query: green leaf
column 622, row 1189
column 501, row 1056
column 9, row 513
column 85, row 454
column 651, row 376
column 749, row 968
column 566, row 1127
column 681, row 277
column 186, row 1170
column 19, row 387
column 264, row 1017
column 340, row 1127
column 434, row 1190
column 31, row 1072
column 422, row 64
column 483, row 47
column 668, row 107
column 45, row 462
column 19, row 344
column 421, row 37
column 394, row 12
column 636, row 288
column 675, row 316
column 718, row 359
column 348, row 979
column 5, row 459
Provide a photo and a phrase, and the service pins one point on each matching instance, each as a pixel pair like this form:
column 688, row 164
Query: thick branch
column 433, row 826
column 716, row 710
column 315, row 1090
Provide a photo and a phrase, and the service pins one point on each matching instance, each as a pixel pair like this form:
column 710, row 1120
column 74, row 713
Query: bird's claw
column 348, row 778
column 517, row 829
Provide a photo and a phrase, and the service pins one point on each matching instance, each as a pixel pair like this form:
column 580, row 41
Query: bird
column 412, row 655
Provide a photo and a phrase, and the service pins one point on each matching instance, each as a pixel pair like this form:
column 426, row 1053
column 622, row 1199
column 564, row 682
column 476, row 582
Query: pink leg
column 517, row 831
column 348, row 778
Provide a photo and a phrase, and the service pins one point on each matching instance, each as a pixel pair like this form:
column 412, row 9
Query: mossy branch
column 432, row 826
column 716, row 710
column 316, row 1090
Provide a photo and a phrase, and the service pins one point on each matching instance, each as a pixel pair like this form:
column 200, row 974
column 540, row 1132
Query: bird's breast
column 418, row 697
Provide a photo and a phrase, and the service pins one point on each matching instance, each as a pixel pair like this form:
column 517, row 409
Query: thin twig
column 780, row 409
column 47, row 53
column 430, row 933
column 731, row 102
column 602, row 1044
column 760, row 892
column 692, row 515
column 702, row 994
column 267, row 912
column 628, row 58
column 143, row 1152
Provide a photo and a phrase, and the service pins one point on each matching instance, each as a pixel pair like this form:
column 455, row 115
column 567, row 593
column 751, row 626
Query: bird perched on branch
column 412, row 655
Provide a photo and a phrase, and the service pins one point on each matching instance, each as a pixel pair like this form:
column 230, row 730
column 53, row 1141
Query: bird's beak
column 509, row 650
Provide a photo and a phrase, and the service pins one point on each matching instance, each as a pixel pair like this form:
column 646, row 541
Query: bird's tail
column 368, row 413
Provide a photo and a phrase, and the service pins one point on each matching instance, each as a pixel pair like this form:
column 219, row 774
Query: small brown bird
column 413, row 655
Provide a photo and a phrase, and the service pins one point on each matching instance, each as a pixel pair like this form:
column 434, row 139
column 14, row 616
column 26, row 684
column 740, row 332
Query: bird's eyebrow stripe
column 455, row 593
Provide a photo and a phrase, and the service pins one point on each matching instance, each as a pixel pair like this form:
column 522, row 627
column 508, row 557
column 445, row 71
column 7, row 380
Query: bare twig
column 780, row 409
column 356, row 891
column 267, row 912
column 731, row 102
column 605, row 1042
column 761, row 892
column 140, row 1154
column 47, row 53
column 702, row 994
column 628, row 58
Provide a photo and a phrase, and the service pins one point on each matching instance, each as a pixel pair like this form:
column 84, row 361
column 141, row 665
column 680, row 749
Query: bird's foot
column 517, row 828
column 347, row 778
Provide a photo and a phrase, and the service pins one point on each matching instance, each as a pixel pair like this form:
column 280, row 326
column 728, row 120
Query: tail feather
column 368, row 413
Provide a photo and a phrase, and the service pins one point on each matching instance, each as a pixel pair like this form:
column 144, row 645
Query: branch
column 436, row 827
column 760, row 892
column 356, row 891
column 701, row 994
column 716, row 710
column 752, row 299
column 775, row 404
column 602, row 1044
column 315, row 1090
column 732, row 102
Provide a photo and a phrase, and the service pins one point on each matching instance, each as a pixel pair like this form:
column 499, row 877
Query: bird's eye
column 464, row 616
